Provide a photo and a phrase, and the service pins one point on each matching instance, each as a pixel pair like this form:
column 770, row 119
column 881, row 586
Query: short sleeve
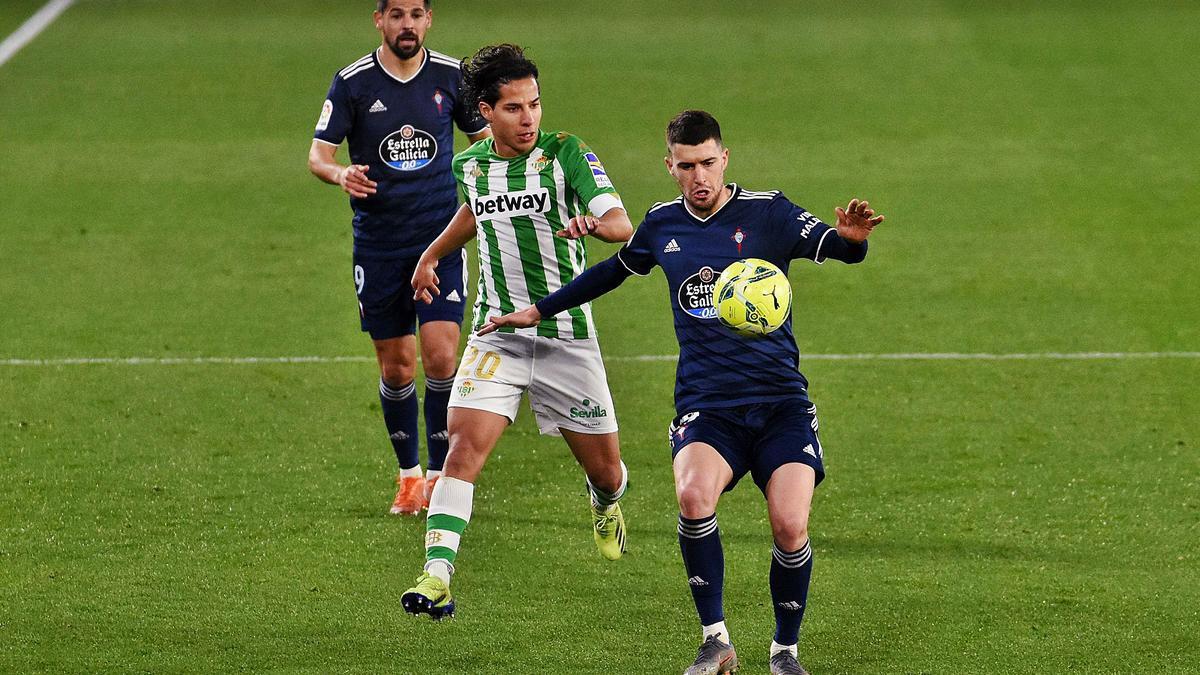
column 586, row 175
column 637, row 255
column 803, row 231
column 337, row 114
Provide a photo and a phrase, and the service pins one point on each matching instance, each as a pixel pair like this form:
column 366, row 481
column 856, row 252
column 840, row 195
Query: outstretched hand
column 530, row 316
column 856, row 221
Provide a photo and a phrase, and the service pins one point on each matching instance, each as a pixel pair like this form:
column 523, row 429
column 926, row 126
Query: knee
column 396, row 373
column 790, row 533
column 464, row 457
column 440, row 362
column 696, row 498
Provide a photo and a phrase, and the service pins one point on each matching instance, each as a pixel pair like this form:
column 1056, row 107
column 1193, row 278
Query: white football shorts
column 565, row 379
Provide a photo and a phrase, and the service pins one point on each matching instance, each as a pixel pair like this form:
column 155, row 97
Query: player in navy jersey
column 397, row 108
column 742, row 403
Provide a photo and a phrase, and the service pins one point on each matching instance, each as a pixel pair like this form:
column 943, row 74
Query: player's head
column 696, row 158
column 403, row 24
column 502, row 82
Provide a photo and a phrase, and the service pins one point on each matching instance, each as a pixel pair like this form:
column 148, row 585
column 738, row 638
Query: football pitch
column 177, row 506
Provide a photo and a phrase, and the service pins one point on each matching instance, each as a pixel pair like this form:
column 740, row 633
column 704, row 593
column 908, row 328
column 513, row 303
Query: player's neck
column 401, row 69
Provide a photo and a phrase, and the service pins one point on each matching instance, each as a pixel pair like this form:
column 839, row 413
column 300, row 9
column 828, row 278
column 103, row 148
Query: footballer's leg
column 397, row 358
column 788, row 467
column 439, row 346
column 789, row 500
column 491, row 379
column 607, row 478
column 473, row 435
column 701, row 475
column 569, row 396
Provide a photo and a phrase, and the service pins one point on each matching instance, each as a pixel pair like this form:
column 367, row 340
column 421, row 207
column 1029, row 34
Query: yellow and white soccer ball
column 752, row 296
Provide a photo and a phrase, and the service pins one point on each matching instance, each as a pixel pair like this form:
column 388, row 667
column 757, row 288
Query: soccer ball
column 752, row 296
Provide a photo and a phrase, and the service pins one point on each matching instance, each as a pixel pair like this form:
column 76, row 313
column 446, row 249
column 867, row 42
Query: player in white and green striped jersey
column 529, row 197
column 519, row 204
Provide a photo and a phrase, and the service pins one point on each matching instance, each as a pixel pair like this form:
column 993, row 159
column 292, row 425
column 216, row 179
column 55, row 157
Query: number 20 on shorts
column 485, row 364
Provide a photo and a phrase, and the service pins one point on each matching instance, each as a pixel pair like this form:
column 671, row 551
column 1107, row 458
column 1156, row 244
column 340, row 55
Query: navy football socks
column 437, row 397
column 700, row 543
column 790, row 574
column 400, row 415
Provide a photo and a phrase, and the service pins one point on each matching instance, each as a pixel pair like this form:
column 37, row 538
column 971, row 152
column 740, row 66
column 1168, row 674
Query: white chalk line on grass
column 32, row 28
column 911, row 356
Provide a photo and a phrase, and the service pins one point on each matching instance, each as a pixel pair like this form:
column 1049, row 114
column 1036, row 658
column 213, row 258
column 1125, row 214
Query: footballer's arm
column 456, row 235
column 353, row 179
column 595, row 281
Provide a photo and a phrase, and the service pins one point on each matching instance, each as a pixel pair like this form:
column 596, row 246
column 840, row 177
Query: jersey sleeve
column 637, row 255
column 586, row 175
column 812, row 239
column 337, row 114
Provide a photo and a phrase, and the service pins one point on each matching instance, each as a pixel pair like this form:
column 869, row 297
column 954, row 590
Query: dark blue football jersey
column 719, row 368
column 404, row 131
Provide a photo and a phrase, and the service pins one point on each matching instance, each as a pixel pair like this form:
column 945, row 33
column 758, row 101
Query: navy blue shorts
column 385, row 295
column 759, row 437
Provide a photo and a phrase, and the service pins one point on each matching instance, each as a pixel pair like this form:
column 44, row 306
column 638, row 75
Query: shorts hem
column 467, row 404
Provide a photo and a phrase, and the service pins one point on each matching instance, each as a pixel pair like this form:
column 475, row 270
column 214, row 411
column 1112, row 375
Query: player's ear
column 486, row 110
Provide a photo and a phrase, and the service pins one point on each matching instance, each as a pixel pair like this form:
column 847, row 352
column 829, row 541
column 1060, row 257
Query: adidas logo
column 453, row 297
column 791, row 604
column 671, row 247
column 440, row 436
column 697, row 581
column 378, row 106
column 809, row 449
column 399, row 436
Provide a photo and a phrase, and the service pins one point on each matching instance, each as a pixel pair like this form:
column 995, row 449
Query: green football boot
column 608, row 528
column 430, row 596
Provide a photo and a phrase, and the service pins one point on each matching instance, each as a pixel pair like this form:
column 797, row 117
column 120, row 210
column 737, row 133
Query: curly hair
column 492, row 67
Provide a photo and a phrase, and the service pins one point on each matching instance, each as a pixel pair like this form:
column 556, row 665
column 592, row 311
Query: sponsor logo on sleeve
column 809, row 221
column 598, row 172
column 511, row 204
column 408, row 149
column 695, row 294
column 326, row 113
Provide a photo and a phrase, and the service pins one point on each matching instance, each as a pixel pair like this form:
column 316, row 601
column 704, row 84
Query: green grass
column 1037, row 166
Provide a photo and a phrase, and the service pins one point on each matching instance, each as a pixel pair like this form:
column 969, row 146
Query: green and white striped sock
column 449, row 513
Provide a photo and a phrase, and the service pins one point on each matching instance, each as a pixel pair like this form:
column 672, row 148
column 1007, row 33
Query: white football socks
column 776, row 648
column 717, row 629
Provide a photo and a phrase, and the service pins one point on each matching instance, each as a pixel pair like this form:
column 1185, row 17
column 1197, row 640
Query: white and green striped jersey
column 519, row 203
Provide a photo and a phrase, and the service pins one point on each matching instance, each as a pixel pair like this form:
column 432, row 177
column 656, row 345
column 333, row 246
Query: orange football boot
column 410, row 497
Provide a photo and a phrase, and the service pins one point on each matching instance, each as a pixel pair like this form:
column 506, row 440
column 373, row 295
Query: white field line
column 913, row 356
column 31, row 28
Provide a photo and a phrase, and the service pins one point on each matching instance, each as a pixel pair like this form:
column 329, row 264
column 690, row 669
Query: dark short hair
column 693, row 127
column 492, row 67
column 382, row 5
